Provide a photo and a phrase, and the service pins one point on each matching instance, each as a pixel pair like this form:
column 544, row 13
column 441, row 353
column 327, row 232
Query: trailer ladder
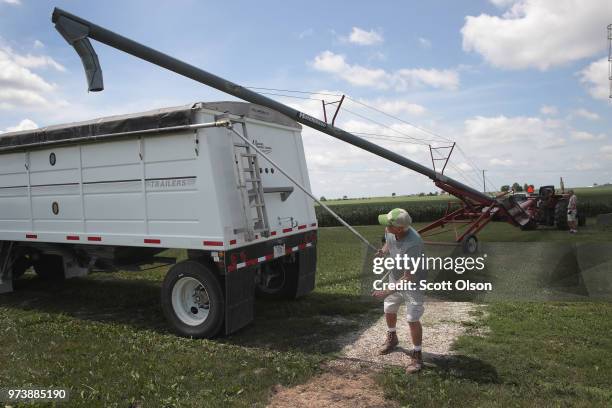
column 251, row 189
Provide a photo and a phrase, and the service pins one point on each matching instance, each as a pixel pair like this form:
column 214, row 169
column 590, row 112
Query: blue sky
column 521, row 85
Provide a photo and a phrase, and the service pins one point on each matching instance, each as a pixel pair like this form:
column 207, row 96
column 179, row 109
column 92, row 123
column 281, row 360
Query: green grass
column 105, row 339
column 535, row 354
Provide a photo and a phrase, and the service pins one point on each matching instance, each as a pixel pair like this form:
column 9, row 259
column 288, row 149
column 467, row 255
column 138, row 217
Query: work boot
column 416, row 362
column 390, row 344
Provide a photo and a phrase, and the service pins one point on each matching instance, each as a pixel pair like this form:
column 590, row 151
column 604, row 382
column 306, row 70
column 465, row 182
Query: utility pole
column 484, row 182
column 610, row 57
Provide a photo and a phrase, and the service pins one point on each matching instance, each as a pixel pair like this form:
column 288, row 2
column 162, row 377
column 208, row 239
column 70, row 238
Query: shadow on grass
column 462, row 367
column 316, row 323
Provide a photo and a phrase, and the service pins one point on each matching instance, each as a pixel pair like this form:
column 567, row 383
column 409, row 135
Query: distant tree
column 392, row 194
column 322, row 198
column 595, row 184
column 421, row 194
column 516, row 187
column 430, row 194
column 505, row 188
column 344, row 197
column 525, row 187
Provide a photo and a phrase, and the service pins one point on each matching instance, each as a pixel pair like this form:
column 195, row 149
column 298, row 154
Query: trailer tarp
column 154, row 119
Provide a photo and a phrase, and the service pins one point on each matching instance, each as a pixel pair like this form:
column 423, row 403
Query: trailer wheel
column 20, row 265
column 561, row 215
column 470, row 244
column 192, row 300
column 277, row 279
column 49, row 267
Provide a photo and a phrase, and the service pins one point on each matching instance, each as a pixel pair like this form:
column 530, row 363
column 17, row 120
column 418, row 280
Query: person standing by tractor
column 572, row 213
column 401, row 239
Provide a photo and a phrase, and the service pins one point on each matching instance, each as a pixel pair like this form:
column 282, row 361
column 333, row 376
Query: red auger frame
column 473, row 214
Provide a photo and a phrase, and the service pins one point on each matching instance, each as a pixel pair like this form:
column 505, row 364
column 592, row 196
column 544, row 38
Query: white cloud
column 539, row 33
column 606, row 151
column 306, row 33
column 583, row 113
column 362, row 37
column 37, row 61
column 38, row 44
column 397, row 106
column 584, row 136
column 503, row 3
column 13, row 2
column 501, row 162
column 519, row 131
column 25, row 124
column 424, row 43
column 465, row 167
column 19, row 86
column 549, row 110
column 596, row 78
column 378, row 78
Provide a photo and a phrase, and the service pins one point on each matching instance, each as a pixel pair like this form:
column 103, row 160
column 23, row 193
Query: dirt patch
column 342, row 384
column 349, row 381
column 442, row 324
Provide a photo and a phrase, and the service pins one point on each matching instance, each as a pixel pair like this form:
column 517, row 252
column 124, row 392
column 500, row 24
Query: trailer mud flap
column 239, row 299
column 6, row 287
column 307, row 259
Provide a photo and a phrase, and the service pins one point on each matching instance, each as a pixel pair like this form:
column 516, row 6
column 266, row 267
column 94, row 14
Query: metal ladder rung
column 253, row 196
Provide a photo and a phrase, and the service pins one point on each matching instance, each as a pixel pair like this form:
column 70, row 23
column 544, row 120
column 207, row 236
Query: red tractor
column 547, row 207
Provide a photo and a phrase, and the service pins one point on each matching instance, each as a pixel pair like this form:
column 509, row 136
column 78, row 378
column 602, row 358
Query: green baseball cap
column 397, row 217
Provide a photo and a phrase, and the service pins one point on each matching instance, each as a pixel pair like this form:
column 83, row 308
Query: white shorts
column 412, row 298
column 571, row 215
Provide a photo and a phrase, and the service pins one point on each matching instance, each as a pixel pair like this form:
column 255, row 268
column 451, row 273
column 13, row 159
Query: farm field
column 105, row 339
column 591, row 201
column 598, row 193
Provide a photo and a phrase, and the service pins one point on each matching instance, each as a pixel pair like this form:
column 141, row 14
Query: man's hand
column 379, row 253
column 381, row 294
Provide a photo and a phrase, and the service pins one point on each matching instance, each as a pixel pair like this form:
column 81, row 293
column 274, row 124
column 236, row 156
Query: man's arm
column 383, row 251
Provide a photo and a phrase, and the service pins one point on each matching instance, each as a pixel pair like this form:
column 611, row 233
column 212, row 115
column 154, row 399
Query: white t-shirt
column 411, row 244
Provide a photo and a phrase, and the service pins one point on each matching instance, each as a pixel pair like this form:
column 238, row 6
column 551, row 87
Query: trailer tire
column 469, row 244
column 20, row 265
column 192, row 300
column 277, row 279
column 561, row 215
column 49, row 267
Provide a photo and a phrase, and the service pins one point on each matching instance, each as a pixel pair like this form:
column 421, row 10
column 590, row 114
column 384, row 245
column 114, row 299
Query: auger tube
column 76, row 30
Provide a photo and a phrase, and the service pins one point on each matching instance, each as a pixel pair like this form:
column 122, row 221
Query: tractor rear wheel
column 469, row 244
column 561, row 214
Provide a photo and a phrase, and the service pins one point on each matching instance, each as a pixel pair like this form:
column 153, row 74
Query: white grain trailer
column 116, row 191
